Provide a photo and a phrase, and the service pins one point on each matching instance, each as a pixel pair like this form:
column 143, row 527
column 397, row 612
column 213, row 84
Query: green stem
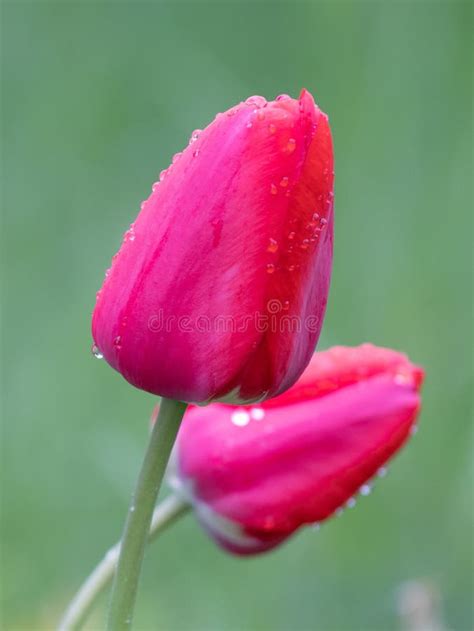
column 137, row 525
column 165, row 514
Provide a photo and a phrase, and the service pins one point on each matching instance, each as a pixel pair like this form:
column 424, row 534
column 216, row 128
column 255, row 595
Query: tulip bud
column 219, row 289
column 256, row 474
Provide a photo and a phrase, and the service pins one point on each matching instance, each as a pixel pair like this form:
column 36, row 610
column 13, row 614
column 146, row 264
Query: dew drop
column 240, row 418
column 273, row 189
column 291, row 235
column 291, row 268
column 194, row 136
column 365, row 490
column 195, row 153
column 339, row 512
column 272, row 246
column 96, row 352
column 291, row 145
column 118, row 342
column 305, row 244
column 284, row 182
column 413, row 430
column 272, row 128
column 323, row 221
column 316, row 526
column 260, row 115
column 270, row 268
column 257, row 414
column 249, row 124
column 351, row 502
column 257, row 101
column 315, row 217
column 382, row 472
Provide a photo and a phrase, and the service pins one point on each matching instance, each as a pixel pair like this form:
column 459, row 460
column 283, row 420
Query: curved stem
column 137, row 525
column 166, row 513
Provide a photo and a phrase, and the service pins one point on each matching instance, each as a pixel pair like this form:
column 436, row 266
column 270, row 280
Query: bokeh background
column 97, row 96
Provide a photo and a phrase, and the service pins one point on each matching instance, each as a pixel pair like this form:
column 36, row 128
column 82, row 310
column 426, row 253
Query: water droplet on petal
column 413, row 430
column 176, row 157
column 291, row 145
column 257, row 101
column 365, row 489
column 315, row 217
column 249, row 124
column 291, row 268
column 272, row 246
column 240, row 418
column 273, row 189
column 257, row 414
column 339, row 512
column 316, row 526
column 351, row 502
column 382, row 472
column 286, row 305
column 96, row 352
column 260, row 115
column 118, row 342
column 272, row 128
column 194, row 136
column 323, row 221
column 195, row 153
column 291, row 235
column 270, row 268
column 163, row 174
column 284, row 181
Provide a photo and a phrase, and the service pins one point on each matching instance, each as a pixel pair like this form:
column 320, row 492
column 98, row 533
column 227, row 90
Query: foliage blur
column 97, row 96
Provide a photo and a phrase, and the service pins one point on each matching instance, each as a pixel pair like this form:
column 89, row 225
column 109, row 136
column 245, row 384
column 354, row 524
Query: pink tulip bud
column 256, row 474
column 219, row 289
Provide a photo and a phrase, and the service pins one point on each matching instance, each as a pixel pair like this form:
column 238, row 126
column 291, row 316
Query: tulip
column 219, row 289
column 254, row 475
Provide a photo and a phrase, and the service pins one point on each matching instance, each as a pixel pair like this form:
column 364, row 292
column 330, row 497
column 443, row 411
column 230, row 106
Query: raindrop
column 339, row 512
column 249, row 124
column 413, row 430
column 257, row 101
column 382, row 472
column 273, row 189
column 240, row 418
column 96, row 352
column 305, row 244
column 315, row 217
column 316, row 526
column 117, row 342
column 272, row 128
column 291, row 145
column 291, row 235
column 284, row 181
column 196, row 153
column 365, row 489
column 351, row 502
column 272, row 246
column 323, row 221
column 194, row 136
column 270, row 268
column 257, row 414
column 291, row 268
column 286, row 305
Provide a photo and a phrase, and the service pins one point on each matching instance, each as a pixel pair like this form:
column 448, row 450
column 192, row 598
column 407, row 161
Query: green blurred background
column 97, row 96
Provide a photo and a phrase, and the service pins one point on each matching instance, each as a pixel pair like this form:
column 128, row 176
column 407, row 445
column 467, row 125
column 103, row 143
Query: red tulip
column 256, row 474
column 219, row 289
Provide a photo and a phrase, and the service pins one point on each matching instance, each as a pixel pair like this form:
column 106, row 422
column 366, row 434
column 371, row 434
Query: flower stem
column 166, row 513
column 137, row 525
